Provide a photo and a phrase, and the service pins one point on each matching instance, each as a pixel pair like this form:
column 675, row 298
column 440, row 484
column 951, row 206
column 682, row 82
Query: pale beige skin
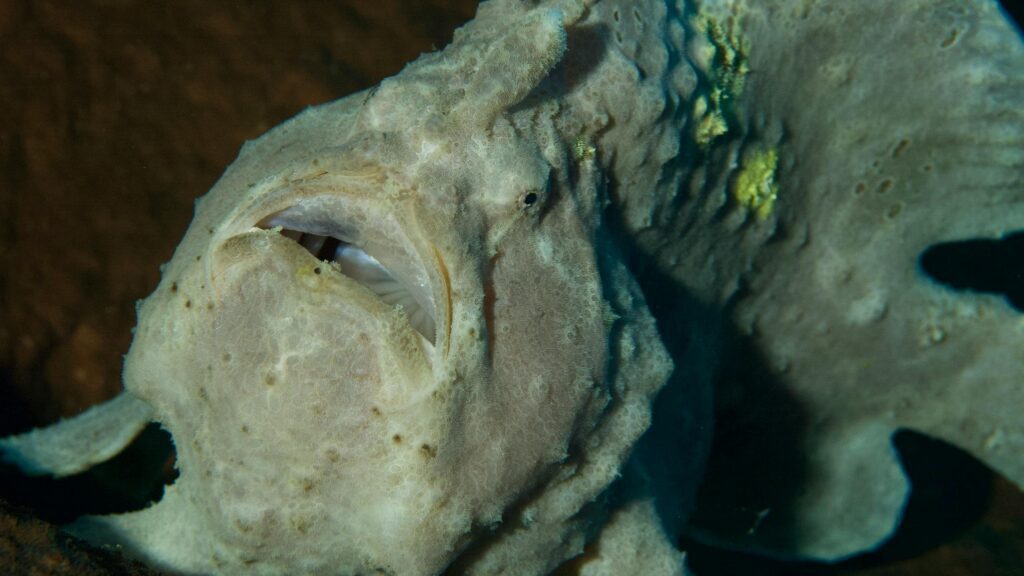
column 318, row 429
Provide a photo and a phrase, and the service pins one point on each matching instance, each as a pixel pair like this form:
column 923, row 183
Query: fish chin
column 315, row 385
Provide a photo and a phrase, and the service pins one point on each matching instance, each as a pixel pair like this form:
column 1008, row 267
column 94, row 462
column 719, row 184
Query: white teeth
column 362, row 267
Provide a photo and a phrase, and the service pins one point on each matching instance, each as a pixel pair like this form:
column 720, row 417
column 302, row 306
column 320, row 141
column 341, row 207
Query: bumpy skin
column 315, row 429
column 898, row 126
column 773, row 165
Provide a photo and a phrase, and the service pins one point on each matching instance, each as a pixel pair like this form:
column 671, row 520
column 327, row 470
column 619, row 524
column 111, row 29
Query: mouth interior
column 356, row 263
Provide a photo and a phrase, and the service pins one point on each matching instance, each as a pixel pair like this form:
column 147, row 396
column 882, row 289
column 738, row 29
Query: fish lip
column 413, row 262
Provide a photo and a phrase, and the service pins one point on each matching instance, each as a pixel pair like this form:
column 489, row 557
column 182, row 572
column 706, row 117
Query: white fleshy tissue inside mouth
column 332, row 243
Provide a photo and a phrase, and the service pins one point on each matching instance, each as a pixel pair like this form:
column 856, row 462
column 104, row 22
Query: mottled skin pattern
column 502, row 181
column 315, row 428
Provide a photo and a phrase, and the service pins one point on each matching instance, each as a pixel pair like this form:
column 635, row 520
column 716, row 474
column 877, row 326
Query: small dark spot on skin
column 885, row 186
column 900, row 148
column 202, row 393
column 618, row 37
column 318, row 410
column 174, row 287
column 245, row 429
column 375, row 411
column 428, row 450
column 860, row 188
column 615, row 15
column 332, row 455
column 316, row 270
column 270, row 380
column 198, row 258
column 397, row 438
column 472, row 332
column 188, row 303
column 951, row 39
column 893, row 211
column 209, row 305
column 226, row 357
column 210, row 231
column 308, row 484
column 927, row 167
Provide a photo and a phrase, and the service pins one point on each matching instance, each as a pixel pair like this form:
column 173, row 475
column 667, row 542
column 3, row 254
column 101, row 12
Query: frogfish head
column 391, row 332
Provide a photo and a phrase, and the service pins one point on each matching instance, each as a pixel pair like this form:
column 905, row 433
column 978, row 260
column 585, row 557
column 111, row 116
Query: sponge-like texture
column 897, row 126
column 319, row 431
column 775, row 169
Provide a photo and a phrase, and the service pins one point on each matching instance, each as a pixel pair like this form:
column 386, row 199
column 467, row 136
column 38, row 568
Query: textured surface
column 890, row 139
column 316, row 428
column 29, row 546
column 84, row 317
column 145, row 103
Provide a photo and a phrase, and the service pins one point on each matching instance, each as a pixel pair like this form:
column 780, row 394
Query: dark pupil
column 530, row 198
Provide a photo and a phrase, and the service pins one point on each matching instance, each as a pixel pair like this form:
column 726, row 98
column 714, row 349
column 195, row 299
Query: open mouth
column 388, row 268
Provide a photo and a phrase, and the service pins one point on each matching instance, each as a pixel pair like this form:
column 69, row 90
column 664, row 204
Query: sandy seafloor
column 114, row 116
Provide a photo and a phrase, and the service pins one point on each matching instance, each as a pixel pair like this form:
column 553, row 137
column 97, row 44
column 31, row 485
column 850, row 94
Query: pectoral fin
column 73, row 445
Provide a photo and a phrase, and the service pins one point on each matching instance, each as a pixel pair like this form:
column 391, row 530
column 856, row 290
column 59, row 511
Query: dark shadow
column 674, row 451
column 14, row 411
column 130, row 481
column 1014, row 10
column 756, row 462
column 586, row 48
column 721, row 400
column 989, row 266
column 950, row 492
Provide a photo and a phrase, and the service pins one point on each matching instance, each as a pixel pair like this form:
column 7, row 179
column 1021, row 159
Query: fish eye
column 529, row 199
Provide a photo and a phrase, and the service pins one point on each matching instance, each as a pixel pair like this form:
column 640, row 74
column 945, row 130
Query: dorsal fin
column 513, row 66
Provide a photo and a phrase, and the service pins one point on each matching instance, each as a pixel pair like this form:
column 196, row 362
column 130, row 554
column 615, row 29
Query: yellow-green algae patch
column 755, row 188
column 582, row 149
column 711, row 125
column 725, row 62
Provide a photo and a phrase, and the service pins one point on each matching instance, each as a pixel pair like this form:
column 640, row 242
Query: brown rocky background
column 114, row 116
